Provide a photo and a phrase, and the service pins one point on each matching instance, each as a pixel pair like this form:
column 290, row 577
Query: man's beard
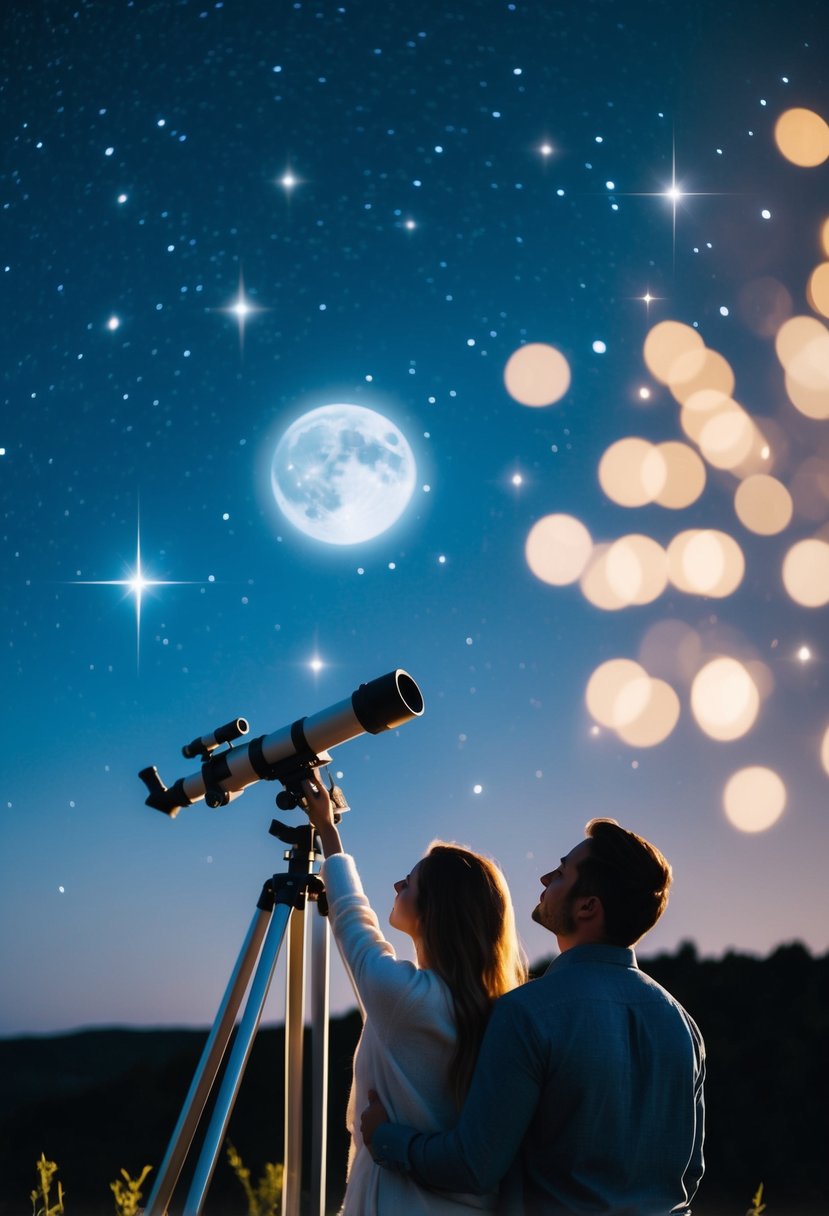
column 562, row 922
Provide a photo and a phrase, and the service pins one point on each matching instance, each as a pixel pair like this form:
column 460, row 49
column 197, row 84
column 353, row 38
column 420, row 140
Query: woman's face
column 404, row 915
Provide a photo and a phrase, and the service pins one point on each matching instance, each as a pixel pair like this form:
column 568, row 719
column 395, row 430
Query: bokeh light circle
column 817, row 291
column 705, row 561
column 806, row 572
column 617, row 692
column 724, row 699
column 698, row 371
column 824, row 751
column 655, row 720
column 636, row 569
column 763, row 505
column 803, row 137
column 537, row 374
column 683, row 479
column 727, row 437
column 558, row 549
column 631, row 473
column 665, row 344
column 754, row 798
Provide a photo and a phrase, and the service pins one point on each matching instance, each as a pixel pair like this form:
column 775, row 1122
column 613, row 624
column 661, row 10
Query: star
column 288, row 181
column 242, row 308
column 136, row 583
column 674, row 192
column 647, row 299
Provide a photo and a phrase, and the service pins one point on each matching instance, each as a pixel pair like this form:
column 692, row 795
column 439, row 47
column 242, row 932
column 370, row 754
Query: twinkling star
column 136, row 584
column 242, row 308
column 674, row 193
column 647, row 299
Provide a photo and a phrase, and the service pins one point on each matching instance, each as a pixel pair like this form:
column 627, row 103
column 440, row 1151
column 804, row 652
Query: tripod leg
column 210, row 1061
column 294, row 1032
column 320, row 961
column 238, row 1059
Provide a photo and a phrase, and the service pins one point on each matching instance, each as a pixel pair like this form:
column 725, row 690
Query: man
column 587, row 1095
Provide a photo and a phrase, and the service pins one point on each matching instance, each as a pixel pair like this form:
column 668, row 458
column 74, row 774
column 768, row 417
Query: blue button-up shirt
column 587, row 1098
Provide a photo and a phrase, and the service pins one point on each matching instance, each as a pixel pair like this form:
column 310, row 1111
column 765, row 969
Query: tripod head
column 288, row 755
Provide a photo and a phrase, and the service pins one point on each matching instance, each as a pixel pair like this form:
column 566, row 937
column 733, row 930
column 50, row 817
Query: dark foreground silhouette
column 101, row 1100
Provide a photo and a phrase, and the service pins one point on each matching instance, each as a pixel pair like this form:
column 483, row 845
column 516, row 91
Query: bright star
column 673, row 192
column 242, row 308
column 136, row 584
column 288, row 180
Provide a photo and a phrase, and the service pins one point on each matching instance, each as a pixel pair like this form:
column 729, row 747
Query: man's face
column 554, row 909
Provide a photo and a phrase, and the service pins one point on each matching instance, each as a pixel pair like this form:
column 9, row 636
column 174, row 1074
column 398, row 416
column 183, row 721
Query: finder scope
column 382, row 704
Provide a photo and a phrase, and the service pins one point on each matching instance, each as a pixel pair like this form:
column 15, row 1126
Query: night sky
column 219, row 217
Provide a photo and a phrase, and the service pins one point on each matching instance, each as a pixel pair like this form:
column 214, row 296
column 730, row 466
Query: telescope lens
column 387, row 702
column 410, row 694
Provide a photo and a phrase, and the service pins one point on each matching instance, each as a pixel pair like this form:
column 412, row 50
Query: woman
column 423, row 1022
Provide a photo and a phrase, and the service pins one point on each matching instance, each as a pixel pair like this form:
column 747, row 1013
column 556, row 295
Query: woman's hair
column 468, row 932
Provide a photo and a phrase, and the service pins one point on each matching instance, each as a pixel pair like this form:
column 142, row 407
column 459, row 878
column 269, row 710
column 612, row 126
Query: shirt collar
column 616, row 956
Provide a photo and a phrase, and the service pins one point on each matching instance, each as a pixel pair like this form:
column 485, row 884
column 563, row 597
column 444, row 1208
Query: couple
column 577, row 1093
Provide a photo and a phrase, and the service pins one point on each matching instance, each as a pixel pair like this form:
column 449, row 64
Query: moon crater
column 342, row 474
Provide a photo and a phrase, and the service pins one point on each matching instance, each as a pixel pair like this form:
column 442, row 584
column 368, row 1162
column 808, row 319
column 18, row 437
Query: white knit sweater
column 404, row 1052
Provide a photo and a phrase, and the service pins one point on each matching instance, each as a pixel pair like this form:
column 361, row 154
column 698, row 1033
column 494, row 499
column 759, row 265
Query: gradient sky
column 405, row 194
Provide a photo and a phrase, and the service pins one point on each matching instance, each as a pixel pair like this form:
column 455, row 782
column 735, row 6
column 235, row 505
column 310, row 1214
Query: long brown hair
column 468, row 932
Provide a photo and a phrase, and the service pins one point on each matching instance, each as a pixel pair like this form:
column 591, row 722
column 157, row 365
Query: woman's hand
column 320, row 810
column 373, row 1115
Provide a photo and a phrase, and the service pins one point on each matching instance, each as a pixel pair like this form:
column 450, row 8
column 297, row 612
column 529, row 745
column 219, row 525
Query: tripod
column 279, row 911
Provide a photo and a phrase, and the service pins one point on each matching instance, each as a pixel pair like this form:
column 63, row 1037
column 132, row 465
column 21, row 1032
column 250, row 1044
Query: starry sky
column 219, row 216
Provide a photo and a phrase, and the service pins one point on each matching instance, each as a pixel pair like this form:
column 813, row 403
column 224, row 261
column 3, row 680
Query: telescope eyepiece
column 202, row 745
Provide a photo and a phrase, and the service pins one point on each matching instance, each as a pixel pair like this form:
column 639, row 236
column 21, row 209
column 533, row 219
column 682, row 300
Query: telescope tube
column 382, row 704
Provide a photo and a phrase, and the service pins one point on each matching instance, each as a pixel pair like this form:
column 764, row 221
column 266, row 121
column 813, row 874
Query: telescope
column 287, row 755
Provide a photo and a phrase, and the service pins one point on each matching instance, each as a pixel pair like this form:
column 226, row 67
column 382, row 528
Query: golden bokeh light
column 655, row 720
column 667, row 342
column 701, row 371
column 630, row 473
column 803, row 137
column 754, row 798
column 824, row 237
column 763, row 505
column 705, row 561
column 726, row 438
column 537, row 374
column 636, row 569
column 806, row 572
column 769, row 447
column 762, row 676
column 684, row 474
column 724, row 699
column 595, row 585
column 558, row 548
column 618, row 692
column 794, row 337
column 817, row 291
column 802, row 346
column 824, row 751
column 813, row 402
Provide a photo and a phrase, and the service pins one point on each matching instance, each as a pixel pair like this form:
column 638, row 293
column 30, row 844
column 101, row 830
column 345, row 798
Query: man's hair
column 629, row 875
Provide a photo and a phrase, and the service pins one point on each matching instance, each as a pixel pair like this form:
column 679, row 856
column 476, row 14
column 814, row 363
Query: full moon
column 342, row 474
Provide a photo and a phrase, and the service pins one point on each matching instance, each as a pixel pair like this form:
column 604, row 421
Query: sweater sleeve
column 475, row 1155
column 382, row 980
